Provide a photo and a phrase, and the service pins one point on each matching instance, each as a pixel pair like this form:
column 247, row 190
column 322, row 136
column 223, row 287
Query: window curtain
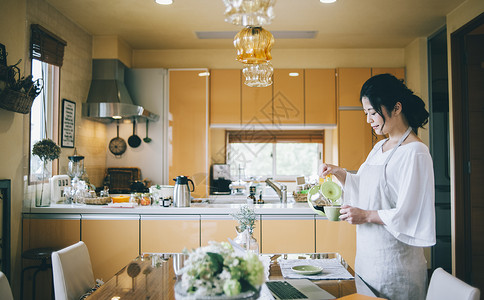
column 46, row 46
column 268, row 136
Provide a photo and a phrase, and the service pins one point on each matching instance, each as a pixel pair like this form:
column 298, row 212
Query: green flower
column 46, row 150
column 232, row 287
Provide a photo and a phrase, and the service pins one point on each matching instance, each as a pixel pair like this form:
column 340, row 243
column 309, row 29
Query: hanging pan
column 134, row 141
column 117, row 145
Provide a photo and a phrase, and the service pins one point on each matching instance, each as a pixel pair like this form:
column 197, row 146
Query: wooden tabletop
column 152, row 276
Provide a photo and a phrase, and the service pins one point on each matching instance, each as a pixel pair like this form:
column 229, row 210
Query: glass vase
column 246, row 240
column 42, row 189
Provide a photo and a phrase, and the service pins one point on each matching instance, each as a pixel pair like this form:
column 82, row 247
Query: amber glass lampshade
column 249, row 12
column 253, row 45
column 258, row 75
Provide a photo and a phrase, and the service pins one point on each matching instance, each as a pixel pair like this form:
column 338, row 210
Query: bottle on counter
column 251, row 198
column 260, row 201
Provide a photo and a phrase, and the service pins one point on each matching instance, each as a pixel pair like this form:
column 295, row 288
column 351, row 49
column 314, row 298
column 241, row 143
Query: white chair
column 444, row 286
column 5, row 291
column 72, row 272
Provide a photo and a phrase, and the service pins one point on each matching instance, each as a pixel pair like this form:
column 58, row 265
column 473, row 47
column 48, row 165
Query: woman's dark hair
column 386, row 90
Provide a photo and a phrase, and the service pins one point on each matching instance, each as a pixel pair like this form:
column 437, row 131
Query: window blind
column 46, row 46
column 276, row 136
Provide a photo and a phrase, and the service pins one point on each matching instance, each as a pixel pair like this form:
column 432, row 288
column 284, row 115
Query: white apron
column 393, row 270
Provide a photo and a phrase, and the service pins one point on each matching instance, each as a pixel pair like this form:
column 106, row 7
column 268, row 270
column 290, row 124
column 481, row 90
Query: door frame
column 462, row 257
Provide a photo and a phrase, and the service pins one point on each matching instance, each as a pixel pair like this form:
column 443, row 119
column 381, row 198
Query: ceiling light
column 253, row 45
column 295, row 74
column 327, row 1
column 249, row 12
column 116, row 117
column 204, row 74
column 258, row 75
column 164, row 2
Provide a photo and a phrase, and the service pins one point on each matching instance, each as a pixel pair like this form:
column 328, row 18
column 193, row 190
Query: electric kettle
column 181, row 194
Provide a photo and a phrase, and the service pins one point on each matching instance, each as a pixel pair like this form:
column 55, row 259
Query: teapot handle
column 193, row 186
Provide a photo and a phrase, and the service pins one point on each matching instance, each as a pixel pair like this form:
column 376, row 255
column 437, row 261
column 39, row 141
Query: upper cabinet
column 320, row 96
column 397, row 72
column 225, row 96
column 350, row 81
column 256, row 106
column 288, row 98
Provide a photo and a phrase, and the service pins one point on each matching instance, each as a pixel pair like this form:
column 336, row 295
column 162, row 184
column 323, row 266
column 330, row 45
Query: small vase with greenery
column 246, row 217
column 47, row 150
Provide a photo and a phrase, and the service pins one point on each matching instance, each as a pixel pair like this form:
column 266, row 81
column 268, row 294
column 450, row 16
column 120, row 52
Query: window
column 281, row 155
column 47, row 53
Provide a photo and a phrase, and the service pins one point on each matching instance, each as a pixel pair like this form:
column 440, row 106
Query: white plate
column 307, row 269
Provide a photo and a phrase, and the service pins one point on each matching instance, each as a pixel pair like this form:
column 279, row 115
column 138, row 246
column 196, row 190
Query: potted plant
column 246, row 217
column 47, row 150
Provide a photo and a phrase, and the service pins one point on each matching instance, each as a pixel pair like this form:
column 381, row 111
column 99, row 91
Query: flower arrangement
column 46, row 150
column 215, row 270
column 246, row 218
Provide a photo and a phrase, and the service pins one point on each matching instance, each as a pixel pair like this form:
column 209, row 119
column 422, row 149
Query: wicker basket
column 300, row 197
column 97, row 200
column 15, row 101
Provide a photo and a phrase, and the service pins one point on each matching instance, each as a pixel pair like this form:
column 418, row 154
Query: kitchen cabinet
column 355, row 139
column 320, row 96
column 288, row 100
column 350, row 81
column 336, row 237
column 221, row 227
column 225, row 97
column 287, row 234
column 169, row 233
column 397, row 72
column 46, row 231
column 188, row 128
column 256, row 106
column 112, row 240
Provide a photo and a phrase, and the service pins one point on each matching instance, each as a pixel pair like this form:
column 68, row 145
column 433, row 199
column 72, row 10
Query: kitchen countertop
column 295, row 208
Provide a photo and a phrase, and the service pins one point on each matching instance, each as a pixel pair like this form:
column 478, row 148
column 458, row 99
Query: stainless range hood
column 108, row 97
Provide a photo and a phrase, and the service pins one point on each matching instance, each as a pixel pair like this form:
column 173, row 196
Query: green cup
column 332, row 212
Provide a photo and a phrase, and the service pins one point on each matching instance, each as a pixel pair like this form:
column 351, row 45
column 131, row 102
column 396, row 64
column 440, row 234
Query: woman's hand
column 355, row 215
column 326, row 169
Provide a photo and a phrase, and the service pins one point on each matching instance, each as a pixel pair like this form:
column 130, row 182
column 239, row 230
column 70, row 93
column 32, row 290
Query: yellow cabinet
column 46, row 231
column 256, row 106
column 355, row 139
column 287, row 234
column 337, row 237
column 397, row 72
column 169, row 233
column 188, row 128
column 225, row 97
column 320, row 96
column 112, row 240
column 288, row 102
column 221, row 227
column 350, row 81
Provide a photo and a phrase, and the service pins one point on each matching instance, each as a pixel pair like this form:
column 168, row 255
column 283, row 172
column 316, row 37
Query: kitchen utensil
column 332, row 212
column 75, row 167
column 147, row 139
column 330, row 190
column 181, row 194
column 134, row 141
column 117, row 145
column 307, row 269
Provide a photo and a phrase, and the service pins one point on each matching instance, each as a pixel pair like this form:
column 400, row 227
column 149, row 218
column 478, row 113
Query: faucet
column 281, row 189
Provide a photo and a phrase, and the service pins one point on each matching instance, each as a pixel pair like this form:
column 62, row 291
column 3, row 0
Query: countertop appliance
column 181, row 194
column 57, row 186
column 220, row 181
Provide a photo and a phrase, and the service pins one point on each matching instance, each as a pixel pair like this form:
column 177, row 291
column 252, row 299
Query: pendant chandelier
column 253, row 43
column 249, row 12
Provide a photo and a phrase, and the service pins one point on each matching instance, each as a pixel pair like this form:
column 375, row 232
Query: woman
column 392, row 195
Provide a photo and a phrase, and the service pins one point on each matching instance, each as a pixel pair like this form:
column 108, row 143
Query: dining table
column 153, row 276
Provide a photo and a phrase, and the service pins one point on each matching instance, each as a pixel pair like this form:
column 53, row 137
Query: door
column 225, row 94
column 288, row 96
column 320, row 96
column 287, row 234
column 467, row 45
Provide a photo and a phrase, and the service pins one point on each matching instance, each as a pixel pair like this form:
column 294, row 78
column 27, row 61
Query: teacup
column 332, row 212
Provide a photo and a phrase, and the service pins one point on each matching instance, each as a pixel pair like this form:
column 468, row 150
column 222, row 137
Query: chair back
column 72, row 272
column 444, row 286
column 5, row 291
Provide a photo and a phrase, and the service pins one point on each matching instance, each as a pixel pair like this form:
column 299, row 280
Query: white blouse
column 410, row 217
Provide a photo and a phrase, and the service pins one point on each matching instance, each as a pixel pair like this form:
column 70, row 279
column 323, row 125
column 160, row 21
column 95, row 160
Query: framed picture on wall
column 68, row 132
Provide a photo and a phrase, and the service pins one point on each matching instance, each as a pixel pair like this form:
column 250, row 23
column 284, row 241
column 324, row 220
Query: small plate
column 307, row 269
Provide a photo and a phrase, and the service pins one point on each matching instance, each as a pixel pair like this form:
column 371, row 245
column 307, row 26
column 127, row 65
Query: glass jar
column 246, row 240
column 145, row 199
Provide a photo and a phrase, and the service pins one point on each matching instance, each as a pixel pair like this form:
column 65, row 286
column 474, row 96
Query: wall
column 456, row 19
column 288, row 58
column 12, row 34
column 111, row 46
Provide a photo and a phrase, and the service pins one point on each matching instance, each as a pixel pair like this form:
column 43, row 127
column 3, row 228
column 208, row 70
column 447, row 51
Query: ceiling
column 143, row 24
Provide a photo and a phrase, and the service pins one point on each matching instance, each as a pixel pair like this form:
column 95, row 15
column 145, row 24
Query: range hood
column 108, row 97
